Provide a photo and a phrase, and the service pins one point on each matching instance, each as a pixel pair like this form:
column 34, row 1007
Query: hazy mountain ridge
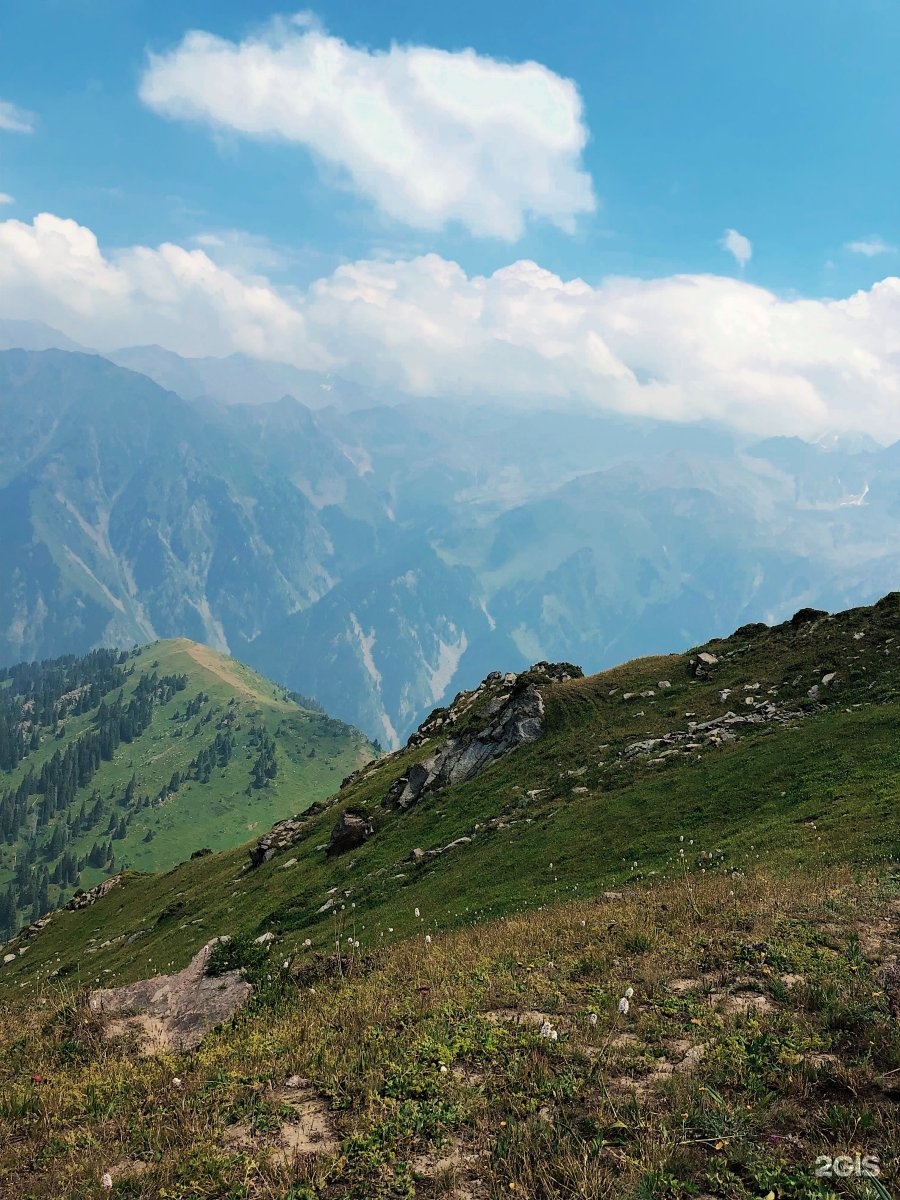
column 285, row 535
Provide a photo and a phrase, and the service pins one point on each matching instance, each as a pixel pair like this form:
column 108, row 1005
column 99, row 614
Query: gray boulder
column 510, row 720
column 172, row 1012
column 352, row 829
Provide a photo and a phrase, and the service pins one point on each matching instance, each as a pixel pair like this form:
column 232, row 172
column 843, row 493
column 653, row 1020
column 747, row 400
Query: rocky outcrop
column 716, row 732
column 86, row 899
column 479, row 727
column 282, row 835
column 172, row 1012
column 353, row 828
column 513, row 717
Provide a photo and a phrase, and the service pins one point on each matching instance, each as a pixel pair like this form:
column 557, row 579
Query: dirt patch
column 737, row 1003
column 513, row 1016
column 455, row 1169
column 129, row 1168
column 680, row 986
column 171, row 1012
column 307, row 1130
column 681, row 1058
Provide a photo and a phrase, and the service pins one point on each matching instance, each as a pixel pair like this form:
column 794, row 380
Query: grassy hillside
column 758, row 1037
column 738, row 874
column 576, row 812
column 205, row 736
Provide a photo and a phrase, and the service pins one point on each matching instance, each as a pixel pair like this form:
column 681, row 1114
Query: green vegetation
column 758, row 1036
column 740, row 877
column 115, row 760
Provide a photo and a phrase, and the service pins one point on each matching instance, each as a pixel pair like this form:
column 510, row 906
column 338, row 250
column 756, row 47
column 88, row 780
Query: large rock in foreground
column 172, row 1012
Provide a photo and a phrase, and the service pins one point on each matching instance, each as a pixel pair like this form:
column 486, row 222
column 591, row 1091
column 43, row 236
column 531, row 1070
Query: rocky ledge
column 513, row 716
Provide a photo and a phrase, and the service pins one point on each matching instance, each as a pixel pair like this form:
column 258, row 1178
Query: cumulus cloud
column 738, row 246
column 681, row 348
column 870, row 247
column 54, row 270
column 428, row 136
column 16, row 120
column 6, row 198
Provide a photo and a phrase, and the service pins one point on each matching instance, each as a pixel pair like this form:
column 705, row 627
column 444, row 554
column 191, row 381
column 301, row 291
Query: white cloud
column 6, row 198
column 870, row 247
column 683, row 347
column 53, row 270
column 428, row 136
column 16, row 120
column 740, row 247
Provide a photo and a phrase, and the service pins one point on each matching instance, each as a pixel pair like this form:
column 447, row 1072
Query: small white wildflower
column 592, row 1018
column 417, row 914
column 553, row 1035
column 427, row 939
column 106, row 1181
column 443, row 1069
column 546, row 1029
column 308, row 943
column 623, row 1005
column 176, row 1082
column 629, row 992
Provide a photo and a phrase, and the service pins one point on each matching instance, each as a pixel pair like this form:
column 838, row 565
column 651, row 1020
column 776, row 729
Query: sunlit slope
column 190, row 780
column 801, row 780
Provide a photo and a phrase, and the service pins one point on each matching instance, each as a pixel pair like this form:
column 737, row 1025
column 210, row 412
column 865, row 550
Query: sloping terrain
column 133, row 760
column 758, row 1057
column 447, row 945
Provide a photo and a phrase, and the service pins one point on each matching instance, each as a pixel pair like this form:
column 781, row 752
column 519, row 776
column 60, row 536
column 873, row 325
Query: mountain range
column 381, row 552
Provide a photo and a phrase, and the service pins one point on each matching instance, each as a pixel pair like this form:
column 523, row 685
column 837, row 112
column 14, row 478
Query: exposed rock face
column 512, row 718
column 86, row 899
column 503, row 712
column 352, row 829
column 172, row 1012
column 282, row 835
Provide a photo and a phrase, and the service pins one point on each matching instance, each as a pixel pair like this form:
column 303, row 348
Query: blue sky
column 781, row 120
column 489, row 198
